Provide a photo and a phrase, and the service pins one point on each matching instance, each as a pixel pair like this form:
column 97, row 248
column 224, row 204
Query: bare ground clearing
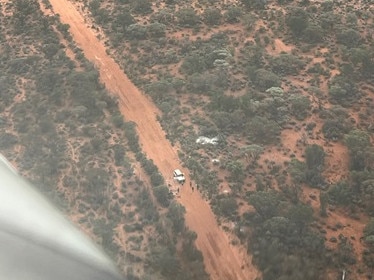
column 222, row 260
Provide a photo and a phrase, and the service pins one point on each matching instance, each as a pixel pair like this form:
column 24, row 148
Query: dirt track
column 222, row 260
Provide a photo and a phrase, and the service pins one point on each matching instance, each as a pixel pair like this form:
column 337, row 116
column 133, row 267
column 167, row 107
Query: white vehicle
column 179, row 176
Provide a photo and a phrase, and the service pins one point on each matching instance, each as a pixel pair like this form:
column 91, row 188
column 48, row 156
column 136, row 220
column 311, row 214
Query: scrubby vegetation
column 65, row 133
column 287, row 88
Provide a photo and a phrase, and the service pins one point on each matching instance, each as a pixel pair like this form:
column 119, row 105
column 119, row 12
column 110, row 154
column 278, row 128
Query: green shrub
column 265, row 79
column 162, row 194
column 341, row 194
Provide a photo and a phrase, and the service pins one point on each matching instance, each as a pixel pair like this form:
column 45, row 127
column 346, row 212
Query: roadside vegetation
column 63, row 132
column 287, row 87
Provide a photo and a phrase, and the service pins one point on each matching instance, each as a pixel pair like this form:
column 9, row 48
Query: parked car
column 179, row 176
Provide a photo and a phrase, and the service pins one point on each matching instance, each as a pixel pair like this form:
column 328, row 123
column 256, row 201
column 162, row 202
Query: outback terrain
column 222, row 261
column 101, row 100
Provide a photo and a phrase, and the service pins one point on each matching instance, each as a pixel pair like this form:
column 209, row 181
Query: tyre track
column 222, row 260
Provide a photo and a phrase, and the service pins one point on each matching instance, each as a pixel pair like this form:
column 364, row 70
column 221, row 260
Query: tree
column 165, row 260
column 157, row 179
column 176, row 215
column 341, row 194
column 279, row 227
column 23, row 11
column 297, row 20
column 265, row 79
column 94, row 5
column 275, row 108
column 187, row 17
column 286, row 64
column 357, row 140
column 96, row 183
column 233, row 14
column 253, row 152
column 265, row 203
column 328, row 20
column 102, row 16
column 136, row 32
column 223, row 102
column 229, row 122
column 323, row 200
column 227, row 206
column 202, row 83
column 123, row 20
column 315, row 157
column 156, row 30
column 257, row 4
column 300, row 106
column 351, row 20
column 327, row 5
column 51, row 50
column 105, row 231
column 212, row 16
column 358, row 143
column 334, row 129
column 236, row 169
column 119, row 154
column 249, row 21
column 194, row 63
column 49, row 82
column 142, row 6
column 368, row 256
column 159, row 90
column 275, row 91
column 262, row 130
column 7, row 140
column 369, row 158
column 162, row 195
column 283, row 1
column 313, row 33
column 254, row 57
column 346, row 253
column 349, row 37
column 146, row 207
column 368, row 65
column 260, row 186
column 195, row 262
column 297, row 170
column 164, row 16
column 369, row 228
column 301, row 215
column 358, row 56
column 336, row 122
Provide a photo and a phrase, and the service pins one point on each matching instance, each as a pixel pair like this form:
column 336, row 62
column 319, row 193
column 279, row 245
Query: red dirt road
column 222, row 260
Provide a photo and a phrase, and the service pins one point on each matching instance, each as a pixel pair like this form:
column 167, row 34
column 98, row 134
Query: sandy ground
column 278, row 47
column 222, row 260
column 351, row 228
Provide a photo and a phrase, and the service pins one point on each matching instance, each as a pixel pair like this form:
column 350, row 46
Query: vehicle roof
column 178, row 172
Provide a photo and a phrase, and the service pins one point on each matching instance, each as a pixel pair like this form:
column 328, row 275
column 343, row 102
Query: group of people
column 182, row 183
column 193, row 188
